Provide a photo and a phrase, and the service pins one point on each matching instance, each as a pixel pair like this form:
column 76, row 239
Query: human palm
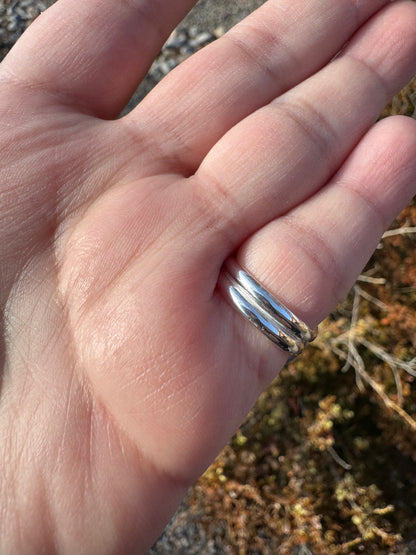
column 125, row 370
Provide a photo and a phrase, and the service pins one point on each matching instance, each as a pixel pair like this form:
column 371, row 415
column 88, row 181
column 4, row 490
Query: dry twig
column 353, row 338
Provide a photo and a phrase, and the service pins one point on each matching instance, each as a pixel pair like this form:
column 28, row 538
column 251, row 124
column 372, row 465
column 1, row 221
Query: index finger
column 92, row 54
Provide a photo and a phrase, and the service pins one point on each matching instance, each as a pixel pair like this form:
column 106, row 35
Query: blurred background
column 326, row 461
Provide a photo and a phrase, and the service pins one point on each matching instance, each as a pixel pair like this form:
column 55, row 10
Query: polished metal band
column 263, row 310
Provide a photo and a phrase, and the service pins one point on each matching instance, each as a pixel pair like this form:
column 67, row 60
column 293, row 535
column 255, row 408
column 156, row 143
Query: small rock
column 193, row 31
column 12, row 25
column 165, row 66
column 201, row 39
column 219, row 31
column 175, row 43
column 187, row 50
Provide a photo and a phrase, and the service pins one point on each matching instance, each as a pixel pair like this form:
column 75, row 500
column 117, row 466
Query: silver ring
column 263, row 310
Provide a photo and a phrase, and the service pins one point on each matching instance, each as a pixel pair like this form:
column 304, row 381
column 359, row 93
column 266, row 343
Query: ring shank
column 263, row 310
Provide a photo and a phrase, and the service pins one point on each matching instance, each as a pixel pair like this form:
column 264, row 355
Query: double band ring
column 263, row 310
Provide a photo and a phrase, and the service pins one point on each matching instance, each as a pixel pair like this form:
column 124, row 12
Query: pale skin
column 124, row 369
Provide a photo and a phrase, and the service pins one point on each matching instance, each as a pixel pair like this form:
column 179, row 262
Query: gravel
column 15, row 16
column 185, row 535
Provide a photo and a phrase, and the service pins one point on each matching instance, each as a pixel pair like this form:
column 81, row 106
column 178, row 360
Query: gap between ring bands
column 263, row 310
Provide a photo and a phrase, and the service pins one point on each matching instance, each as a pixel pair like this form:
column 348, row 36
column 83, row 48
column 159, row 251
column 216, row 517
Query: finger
column 93, row 54
column 286, row 151
column 311, row 256
column 280, row 44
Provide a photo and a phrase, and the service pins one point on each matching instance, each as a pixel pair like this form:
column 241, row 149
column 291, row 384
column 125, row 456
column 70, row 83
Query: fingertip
column 397, row 137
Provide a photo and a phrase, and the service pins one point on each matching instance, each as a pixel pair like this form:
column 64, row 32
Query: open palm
column 124, row 369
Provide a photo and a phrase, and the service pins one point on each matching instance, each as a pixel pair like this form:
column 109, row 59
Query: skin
column 124, row 371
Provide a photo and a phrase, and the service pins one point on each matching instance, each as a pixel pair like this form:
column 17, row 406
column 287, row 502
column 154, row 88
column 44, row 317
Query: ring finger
column 310, row 257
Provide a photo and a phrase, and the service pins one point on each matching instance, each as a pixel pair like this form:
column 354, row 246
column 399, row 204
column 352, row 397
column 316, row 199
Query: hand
column 124, row 370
